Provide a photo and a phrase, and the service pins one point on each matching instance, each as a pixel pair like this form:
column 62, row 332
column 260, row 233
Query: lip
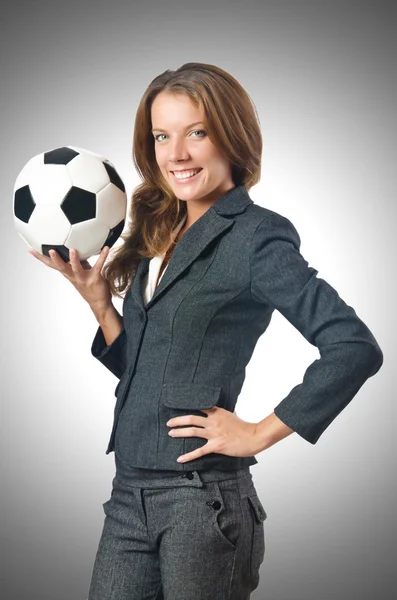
column 184, row 170
column 187, row 179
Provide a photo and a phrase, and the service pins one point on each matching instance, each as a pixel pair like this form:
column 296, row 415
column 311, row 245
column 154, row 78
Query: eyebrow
column 191, row 125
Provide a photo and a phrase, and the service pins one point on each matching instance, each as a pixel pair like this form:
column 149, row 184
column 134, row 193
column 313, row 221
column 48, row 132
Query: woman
column 202, row 268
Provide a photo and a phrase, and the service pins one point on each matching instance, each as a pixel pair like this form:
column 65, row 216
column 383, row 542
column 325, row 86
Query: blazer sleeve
column 282, row 278
column 114, row 356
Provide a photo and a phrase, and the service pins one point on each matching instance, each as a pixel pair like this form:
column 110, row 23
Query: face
column 181, row 143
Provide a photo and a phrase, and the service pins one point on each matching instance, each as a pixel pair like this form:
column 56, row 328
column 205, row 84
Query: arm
column 282, row 278
column 110, row 341
column 269, row 431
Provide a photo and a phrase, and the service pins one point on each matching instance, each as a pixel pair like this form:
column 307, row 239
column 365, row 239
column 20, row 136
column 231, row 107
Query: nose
column 177, row 150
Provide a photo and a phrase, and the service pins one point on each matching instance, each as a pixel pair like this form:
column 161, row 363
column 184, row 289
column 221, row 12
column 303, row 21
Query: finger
column 42, row 258
column 37, row 255
column 192, row 455
column 101, row 259
column 59, row 264
column 75, row 261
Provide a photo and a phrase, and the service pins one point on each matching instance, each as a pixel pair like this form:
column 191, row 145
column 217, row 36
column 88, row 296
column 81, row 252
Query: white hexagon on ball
column 49, row 184
column 85, row 235
column 111, row 205
column 88, row 173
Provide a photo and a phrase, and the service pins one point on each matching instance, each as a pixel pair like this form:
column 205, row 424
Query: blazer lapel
column 136, row 287
column 216, row 220
column 192, row 243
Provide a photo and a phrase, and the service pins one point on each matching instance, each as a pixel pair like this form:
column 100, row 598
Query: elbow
column 373, row 358
column 379, row 360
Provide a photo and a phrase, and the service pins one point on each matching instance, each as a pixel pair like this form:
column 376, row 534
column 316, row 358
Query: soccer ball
column 69, row 198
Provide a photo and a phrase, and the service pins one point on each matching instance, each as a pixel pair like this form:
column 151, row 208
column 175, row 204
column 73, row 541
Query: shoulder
column 267, row 224
column 258, row 214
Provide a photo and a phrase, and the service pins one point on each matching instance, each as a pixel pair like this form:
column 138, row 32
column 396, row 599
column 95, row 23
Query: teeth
column 186, row 174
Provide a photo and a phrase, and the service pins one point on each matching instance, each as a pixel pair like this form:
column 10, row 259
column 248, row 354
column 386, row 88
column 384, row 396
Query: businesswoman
column 202, row 268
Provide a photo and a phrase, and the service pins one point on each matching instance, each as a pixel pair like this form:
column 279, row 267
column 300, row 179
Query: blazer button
column 190, row 475
column 215, row 504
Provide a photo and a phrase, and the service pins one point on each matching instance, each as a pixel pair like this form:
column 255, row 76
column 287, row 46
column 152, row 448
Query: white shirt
column 150, row 279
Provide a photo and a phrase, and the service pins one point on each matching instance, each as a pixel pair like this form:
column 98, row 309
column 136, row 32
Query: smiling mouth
column 182, row 179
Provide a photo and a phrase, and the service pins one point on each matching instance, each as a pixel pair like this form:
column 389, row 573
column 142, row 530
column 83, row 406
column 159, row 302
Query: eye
column 199, row 131
column 196, row 131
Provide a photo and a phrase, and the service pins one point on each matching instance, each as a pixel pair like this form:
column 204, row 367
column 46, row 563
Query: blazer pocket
column 179, row 399
column 190, row 395
column 257, row 554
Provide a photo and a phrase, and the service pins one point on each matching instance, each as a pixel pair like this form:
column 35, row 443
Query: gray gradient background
column 323, row 78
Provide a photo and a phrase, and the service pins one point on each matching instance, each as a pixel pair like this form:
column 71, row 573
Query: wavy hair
column 233, row 126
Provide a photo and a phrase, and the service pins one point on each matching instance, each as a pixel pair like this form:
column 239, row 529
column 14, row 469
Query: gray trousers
column 194, row 536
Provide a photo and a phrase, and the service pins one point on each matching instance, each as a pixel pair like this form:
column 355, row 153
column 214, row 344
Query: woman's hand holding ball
column 87, row 279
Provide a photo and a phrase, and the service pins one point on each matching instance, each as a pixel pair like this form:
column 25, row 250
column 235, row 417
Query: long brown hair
column 232, row 124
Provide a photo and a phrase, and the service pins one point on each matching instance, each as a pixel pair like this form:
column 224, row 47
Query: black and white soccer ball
column 69, row 198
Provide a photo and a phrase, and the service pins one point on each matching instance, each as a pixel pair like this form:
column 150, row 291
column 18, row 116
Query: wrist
column 271, row 430
column 102, row 311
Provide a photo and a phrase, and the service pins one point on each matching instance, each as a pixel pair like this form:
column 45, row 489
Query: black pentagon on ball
column 114, row 176
column 79, row 205
column 114, row 234
column 59, row 156
column 23, row 203
column 62, row 251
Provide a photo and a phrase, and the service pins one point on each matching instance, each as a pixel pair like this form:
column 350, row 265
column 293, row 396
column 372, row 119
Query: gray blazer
column 188, row 349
